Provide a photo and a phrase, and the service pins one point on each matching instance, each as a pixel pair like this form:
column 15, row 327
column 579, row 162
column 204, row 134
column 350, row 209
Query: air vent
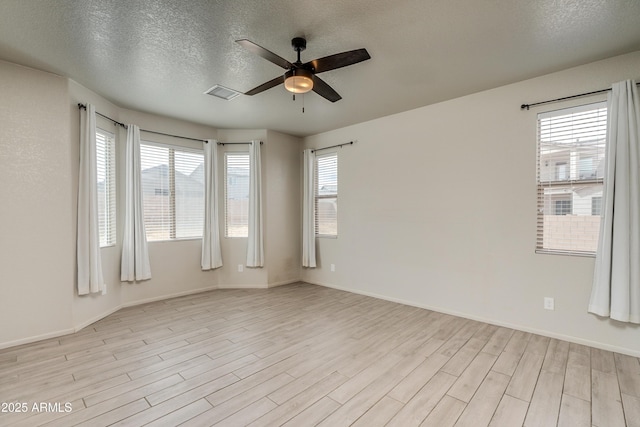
column 223, row 92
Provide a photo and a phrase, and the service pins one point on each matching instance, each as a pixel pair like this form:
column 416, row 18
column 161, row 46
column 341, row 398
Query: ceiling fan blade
column 323, row 89
column 266, row 54
column 338, row 60
column 268, row 85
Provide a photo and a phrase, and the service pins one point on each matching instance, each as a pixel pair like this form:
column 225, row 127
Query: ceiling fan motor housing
column 299, row 44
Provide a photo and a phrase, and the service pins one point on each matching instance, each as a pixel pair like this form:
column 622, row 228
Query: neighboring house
column 571, row 164
column 571, row 175
column 188, row 203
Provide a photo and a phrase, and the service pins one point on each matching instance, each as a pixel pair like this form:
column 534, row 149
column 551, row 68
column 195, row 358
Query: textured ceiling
column 160, row 56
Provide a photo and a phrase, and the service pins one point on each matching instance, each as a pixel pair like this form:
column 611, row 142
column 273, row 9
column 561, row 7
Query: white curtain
column 255, row 250
column 90, row 278
column 135, row 254
column 616, row 282
column 211, row 255
column 308, row 211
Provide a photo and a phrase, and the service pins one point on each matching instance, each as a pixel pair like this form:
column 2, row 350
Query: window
column 236, row 194
column 106, row 173
column 326, row 197
column 173, row 191
column 563, row 207
column 571, row 158
column 596, row 205
column 561, row 171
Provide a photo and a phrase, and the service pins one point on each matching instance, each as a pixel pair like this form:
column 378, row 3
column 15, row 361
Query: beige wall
column 283, row 159
column 37, row 232
column 437, row 208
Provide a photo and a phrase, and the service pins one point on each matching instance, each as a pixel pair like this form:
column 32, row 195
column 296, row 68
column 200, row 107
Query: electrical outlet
column 548, row 303
column 240, row 268
column 333, row 267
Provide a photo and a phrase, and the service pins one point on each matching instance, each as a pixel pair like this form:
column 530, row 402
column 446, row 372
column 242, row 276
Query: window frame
column 171, row 163
column 317, row 197
column 110, row 200
column 573, row 181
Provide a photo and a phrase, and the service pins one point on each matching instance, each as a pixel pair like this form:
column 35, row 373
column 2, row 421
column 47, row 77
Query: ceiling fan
column 301, row 77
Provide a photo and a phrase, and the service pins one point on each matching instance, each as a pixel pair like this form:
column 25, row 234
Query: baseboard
column 283, row 283
column 93, row 320
column 36, row 338
column 243, row 286
column 164, row 297
column 522, row 328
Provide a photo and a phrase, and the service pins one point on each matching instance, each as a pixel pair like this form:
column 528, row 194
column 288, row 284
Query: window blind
column 326, row 186
column 173, row 191
column 236, row 194
column 106, row 177
column 570, row 171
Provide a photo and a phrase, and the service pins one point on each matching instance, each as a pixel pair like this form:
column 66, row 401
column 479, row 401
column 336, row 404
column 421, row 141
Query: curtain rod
column 115, row 122
column 595, row 92
column 84, row 107
column 333, row 146
column 235, row 143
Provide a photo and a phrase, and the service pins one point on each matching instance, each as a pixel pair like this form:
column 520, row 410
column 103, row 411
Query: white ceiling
column 160, row 56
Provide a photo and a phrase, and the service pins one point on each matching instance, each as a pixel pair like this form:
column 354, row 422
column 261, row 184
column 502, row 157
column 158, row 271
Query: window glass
column 106, row 177
column 326, row 197
column 236, row 194
column 571, row 159
column 173, row 191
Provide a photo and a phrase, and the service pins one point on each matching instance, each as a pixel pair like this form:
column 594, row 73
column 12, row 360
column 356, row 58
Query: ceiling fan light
column 298, row 81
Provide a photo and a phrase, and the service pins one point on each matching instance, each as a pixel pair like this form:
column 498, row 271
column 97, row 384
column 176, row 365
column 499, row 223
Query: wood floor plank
column 292, row 406
column 417, row 409
column 466, row 385
column 525, row 377
column 498, row 341
column 631, row 406
column 555, row 360
column 483, row 405
column 507, row 363
column 224, row 371
column 577, row 380
column 306, row 355
column 603, row 361
column 314, row 414
column 445, row 414
column 410, row 385
column 545, row 403
column 349, row 412
column 510, row 412
column 380, row 413
column 230, row 406
column 459, row 361
column 628, row 369
column 574, row 412
column 181, row 415
column 606, row 401
column 249, row 414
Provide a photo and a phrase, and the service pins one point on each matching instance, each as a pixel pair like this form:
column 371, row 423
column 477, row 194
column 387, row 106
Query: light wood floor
column 306, row 355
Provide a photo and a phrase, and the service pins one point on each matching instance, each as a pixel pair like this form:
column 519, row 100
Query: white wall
column 37, row 243
column 437, row 208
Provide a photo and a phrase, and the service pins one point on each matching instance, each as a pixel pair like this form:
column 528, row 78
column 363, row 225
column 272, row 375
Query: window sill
column 186, row 239
column 566, row 253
